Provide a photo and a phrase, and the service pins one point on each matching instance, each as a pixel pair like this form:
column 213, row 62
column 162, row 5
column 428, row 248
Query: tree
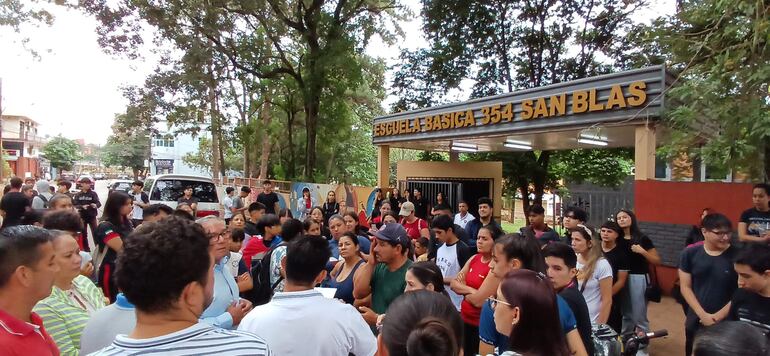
column 722, row 112
column 203, row 157
column 313, row 43
column 511, row 45
column 62, row 152
column 126, row 152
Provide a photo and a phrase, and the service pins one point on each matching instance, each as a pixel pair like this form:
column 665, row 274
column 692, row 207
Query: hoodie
column 40, row 201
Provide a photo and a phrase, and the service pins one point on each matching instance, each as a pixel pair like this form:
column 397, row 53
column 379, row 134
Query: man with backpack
column 40, row 201
column 227, row 308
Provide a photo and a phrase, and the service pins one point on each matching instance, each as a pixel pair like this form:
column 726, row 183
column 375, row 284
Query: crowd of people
column 408, row 278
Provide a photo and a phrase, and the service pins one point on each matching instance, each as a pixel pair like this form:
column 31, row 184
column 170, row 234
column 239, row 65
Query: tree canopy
column 62, row 152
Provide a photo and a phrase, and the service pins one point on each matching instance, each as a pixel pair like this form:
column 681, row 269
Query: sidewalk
column 667, row 315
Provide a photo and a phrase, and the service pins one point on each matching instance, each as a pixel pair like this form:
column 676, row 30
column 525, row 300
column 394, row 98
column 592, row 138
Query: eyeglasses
column 493, row 302
column 722, row 234
column 224, row 235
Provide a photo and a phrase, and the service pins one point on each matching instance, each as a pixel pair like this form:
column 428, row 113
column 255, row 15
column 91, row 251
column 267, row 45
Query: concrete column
column 454, row 156
column 644, row 152
column 383, row 166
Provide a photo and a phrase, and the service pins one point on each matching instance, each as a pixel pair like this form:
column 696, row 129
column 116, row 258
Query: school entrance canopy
column 613, row 110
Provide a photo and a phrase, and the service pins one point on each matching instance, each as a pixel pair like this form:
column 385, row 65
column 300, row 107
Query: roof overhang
column 566, row 115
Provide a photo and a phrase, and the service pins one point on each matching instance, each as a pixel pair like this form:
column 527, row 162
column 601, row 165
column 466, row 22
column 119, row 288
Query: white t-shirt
column 592, row 293
column 463, row 220
column 233, row 262
column 306, row 323
column 228, row 203
column 449, row 263
column 137, row 212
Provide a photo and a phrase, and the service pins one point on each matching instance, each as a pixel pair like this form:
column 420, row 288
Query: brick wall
column 669, row 239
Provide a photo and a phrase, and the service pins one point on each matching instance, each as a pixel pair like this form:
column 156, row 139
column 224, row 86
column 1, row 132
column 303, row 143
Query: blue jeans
column 635, row 307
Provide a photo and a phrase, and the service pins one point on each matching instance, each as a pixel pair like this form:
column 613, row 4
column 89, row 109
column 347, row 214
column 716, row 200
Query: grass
column 510, row 227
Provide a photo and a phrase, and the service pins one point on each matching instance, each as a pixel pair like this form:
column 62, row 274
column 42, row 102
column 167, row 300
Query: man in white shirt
column 228, row 204
column 141, row 201
column 169, row 304
column 452, row 254
column 463, row 217
column 299, row 320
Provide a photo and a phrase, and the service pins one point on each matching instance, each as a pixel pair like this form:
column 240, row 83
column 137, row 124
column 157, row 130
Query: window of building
column 163, row 142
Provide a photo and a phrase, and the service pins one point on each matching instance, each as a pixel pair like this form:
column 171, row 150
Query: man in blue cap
column 382, row 275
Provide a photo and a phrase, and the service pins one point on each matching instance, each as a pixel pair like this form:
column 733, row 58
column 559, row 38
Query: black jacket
column 83, row 200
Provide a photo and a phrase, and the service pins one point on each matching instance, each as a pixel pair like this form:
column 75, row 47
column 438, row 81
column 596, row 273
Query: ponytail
column 432, row 336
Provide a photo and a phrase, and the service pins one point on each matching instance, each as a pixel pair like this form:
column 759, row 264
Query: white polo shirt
column 306, row 323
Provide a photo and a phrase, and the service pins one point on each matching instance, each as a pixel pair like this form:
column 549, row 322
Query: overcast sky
column 74, row 88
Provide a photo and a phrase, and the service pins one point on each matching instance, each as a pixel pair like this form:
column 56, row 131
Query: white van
column 168, row 188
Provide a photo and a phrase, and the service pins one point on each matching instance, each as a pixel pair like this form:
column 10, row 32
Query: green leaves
column 62, row 152
column 721, row 111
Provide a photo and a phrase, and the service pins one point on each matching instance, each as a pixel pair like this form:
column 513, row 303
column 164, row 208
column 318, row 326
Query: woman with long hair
column 317, row 214
column 425, row 275
column 754, row 224
column 514, row 252
column 330, row 206
column 594, row 273
column 342, row 274
column 421, row 323
column 439, row 205
column 617, row 255
column 472, row 283
column 378, row 199
column 73, row 298
column 641, row 252
column 110, row 234
column 353, row 226
column 305, row 203
column 526, row 311
column 396, row 200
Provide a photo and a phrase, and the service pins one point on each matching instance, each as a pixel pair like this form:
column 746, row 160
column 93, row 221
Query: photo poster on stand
column 353, row 197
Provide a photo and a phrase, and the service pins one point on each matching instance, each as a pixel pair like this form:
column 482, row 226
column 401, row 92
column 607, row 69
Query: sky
column 73, row 88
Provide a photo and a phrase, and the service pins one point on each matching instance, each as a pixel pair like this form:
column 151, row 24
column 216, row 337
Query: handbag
column 653, row 292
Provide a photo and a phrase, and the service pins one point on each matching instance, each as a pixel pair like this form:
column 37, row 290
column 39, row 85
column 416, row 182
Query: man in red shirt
column 27, row 270
column 415, row 227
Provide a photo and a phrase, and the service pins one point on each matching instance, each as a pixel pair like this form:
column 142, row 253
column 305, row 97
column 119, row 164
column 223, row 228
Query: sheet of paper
column 327, row 292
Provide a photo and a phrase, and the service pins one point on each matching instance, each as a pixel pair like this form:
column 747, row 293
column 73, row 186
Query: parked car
column 168, row 188
column 121, row 185
column 99, row 176
column 123, row 176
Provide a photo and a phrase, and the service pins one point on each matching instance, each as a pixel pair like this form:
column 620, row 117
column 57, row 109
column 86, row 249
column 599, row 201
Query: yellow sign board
column 582, row 101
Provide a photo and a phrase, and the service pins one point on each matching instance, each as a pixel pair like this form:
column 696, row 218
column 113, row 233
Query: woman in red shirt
column 476, row 285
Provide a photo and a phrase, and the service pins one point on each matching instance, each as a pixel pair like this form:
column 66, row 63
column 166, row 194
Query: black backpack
column 262, row 291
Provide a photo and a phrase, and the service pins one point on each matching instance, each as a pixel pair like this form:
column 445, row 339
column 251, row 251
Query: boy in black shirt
column 86, row 201
column 707, row 276
column 269, row 198
column 751, row 301
column 14, row 204
column 562, row 270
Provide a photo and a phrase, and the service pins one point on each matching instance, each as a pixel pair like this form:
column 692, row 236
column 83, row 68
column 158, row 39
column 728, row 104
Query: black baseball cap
column 393, row 233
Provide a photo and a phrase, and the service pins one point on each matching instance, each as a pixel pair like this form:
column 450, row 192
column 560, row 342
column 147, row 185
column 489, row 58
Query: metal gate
column 454, row 189
column 601, row 203
column 430, row 189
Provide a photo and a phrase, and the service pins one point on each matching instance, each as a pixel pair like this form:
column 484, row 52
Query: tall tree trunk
column 212, row 98
column 312, row 108
column 266, row 119
column 291, row 167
